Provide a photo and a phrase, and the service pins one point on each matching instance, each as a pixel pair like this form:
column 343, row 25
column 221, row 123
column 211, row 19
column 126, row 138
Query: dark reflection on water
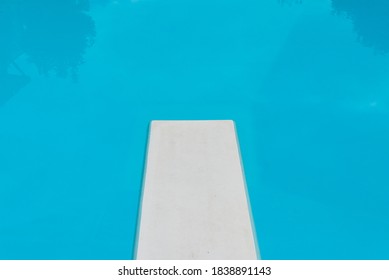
column 53, row 35
column 10, row 84
column 370, row 19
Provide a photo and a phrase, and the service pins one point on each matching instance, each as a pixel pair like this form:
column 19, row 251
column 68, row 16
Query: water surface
column 306, row 82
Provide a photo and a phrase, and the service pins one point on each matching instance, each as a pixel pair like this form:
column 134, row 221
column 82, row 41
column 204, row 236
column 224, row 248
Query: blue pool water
column 307, row 83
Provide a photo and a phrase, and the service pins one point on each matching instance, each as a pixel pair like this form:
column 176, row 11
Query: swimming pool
column 305, row 81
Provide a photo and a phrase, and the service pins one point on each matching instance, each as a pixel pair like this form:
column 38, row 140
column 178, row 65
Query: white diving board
column 194, row 201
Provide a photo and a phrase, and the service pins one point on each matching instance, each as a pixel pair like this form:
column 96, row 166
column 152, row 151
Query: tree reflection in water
column 370, row 19
column 53, row 35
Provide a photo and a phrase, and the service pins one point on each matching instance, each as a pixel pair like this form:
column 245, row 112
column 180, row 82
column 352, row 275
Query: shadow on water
column 53, row 35
column 370, row 19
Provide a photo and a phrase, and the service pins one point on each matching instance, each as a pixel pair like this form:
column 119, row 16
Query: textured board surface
column 194, row 202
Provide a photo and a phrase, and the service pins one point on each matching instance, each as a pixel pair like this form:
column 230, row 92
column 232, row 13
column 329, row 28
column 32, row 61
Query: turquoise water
column 306, row 82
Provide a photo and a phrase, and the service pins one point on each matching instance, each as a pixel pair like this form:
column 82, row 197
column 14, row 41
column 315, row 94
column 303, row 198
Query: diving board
column 194, row 199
